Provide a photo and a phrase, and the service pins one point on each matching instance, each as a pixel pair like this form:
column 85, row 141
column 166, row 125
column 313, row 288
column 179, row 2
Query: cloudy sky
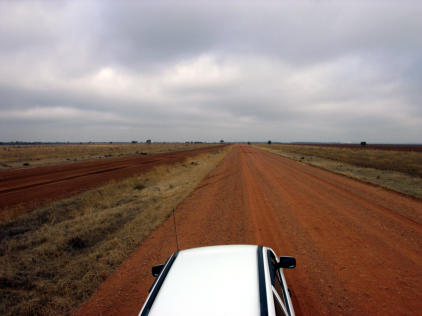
column 204, row 70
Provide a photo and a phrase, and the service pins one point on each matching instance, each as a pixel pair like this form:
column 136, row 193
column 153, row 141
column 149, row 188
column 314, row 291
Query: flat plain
column 24, row 156
column 357, row 246
column 27, row 188
column 395, row 167
column 54, row 257
column 394, row 158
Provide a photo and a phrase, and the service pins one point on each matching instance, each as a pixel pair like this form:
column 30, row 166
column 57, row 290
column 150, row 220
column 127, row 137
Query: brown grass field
column 394, row 147
column 18, row 156
column 409, row 162
column 55, row 257
column 400, row 171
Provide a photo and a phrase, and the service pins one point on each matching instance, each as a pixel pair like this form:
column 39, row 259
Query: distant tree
column 222, row 141
column 148, row 141
column 249, row 143
column 363, row 143
column 134, row 142
column 269, row 142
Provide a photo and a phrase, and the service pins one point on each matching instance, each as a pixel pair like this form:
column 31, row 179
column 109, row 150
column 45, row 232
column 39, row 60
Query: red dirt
column 34, row 187
column 358, row 247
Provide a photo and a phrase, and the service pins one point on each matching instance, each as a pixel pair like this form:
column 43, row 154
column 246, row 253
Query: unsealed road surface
column 358, row 247
column 34, row 187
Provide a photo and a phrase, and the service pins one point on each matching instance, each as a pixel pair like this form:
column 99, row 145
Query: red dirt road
column 358, row 247
column 34, row 186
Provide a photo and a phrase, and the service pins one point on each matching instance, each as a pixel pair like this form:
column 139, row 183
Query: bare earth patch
column 55, row 257
column 26, row 156
column 22, row 190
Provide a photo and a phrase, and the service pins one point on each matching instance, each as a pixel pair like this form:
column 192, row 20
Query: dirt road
column 34, row 186
column 358, row 247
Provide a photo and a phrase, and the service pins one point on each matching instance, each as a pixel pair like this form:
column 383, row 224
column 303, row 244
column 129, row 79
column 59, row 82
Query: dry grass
column 19, row 156
column 408, row 162
column 393, row 180
column 55, row 257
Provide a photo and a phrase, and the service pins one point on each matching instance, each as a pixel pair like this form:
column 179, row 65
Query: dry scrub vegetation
column 55, row 257
column 18, row 156
column 396, row 170
column 409, row 162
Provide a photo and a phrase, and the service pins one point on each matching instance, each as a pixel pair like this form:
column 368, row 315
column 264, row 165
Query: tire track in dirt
column 354, row 254
column 34, row 187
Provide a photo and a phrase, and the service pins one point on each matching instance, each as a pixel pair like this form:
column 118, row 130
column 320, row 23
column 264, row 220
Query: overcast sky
column 176, row 71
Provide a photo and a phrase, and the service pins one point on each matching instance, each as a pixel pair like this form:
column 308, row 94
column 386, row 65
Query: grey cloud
column 311, row 71
column 296, row 33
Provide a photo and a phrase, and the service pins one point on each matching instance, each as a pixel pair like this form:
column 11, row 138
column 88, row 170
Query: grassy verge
column 19, row 156
column 409, row 162
column 55, row 257
column 391, row 179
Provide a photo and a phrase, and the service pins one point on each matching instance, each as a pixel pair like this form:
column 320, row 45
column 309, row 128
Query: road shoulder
column 392, row 180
